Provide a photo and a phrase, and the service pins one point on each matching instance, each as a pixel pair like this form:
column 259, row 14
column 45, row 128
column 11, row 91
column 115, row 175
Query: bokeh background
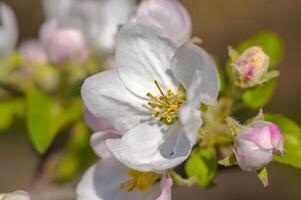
column 219, row 23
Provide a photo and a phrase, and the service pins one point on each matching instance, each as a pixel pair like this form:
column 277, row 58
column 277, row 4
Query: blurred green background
column 219, row 23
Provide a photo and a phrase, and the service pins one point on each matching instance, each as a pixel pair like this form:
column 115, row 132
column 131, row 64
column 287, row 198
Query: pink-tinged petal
column 166, row 185
column 255, row 145
column 169, row 15
column 277, row 139
column 107, row 98
column 102, row 180
column 33, row 52
column 9, row 31
column 94, row 123
column 143, row 55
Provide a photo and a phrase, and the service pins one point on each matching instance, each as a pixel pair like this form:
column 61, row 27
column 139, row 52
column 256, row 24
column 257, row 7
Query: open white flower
column 97, row 19
column 146, row 98
column 8, row 30
column 17, row 195
column 169, row 15
column 109, row 179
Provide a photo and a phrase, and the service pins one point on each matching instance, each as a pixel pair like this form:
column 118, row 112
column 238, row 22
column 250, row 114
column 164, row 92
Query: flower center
column 140, row 180
column 166, row 106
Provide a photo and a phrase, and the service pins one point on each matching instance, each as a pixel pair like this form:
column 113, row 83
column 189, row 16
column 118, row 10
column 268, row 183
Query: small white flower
column 108, row 179
column 8, row 30
column 256, row 144
column 169, row 15
column 17, row 195
column 99, row 20
column 146, row 100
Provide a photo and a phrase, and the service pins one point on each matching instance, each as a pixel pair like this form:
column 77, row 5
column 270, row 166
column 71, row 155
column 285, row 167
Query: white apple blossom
column 154, row 97
column 99, row 20
column 256, row 144
column 109, row 179
column 169, row 15
column 17, row 195
column 8, row 30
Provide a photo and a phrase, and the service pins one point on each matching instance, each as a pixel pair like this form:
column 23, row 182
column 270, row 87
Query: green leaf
column 259, row 96
column 263, row 177
column 46, row 118
column 182, row 181
column 202, row 164
column 41, row 120
column 228, row 161
column 270, row 42
column 292, row 140
column 9, row 110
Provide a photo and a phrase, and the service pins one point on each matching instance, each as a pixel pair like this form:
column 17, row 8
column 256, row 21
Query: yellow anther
column 140, row 180
column 166, row 105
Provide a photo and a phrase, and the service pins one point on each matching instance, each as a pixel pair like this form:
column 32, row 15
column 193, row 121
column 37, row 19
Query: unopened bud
column 256, row 144
column 66, row 45
column 252, row 66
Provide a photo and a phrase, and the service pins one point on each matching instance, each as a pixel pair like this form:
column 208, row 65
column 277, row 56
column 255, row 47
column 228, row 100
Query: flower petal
column 106, row 97
column 189, row 59
column 166, row 185
column 143, row 55
column 152, row 148
column 8, row 29
column 98, row 142
column 94, row 123
column 102, row 180
column 170, row 16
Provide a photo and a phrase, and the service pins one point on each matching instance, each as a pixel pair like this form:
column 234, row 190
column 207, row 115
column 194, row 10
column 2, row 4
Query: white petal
column 17, row 195
column 170, row 16
column 8, row 29
column 143, row 55
column 56, row 8
column 151, row 148
column 187, row 61
column 98, row 142
column 102, row 180
column 106, row 97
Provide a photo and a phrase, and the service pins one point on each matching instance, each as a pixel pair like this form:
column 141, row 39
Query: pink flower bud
column 33, row 52
column 252, row 65
column 66, row 45
column 169, row 15
column 256, row 144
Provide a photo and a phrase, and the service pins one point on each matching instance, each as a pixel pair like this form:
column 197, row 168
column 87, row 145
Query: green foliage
column 202, row 165
column 292, row 140
column 9, row 110
column 228, row 161
column 259, row 96
column 270, row 42
column 46, row 117
column 263, row 177
column 78, row 155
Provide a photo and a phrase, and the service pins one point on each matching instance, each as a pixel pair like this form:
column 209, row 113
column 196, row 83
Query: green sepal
column 234, row 126
column 262, row 174
column 228, row 161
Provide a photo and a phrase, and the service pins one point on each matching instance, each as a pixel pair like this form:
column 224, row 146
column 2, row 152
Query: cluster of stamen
column 165, row 107
column 140, row 181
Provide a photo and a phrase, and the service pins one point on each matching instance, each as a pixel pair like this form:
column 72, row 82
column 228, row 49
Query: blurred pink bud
column 169, row 15
column 33, row 52
column 66, row 45
column 252, row 65
column 94, row 123
column 255, row 145
column 8, row 30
